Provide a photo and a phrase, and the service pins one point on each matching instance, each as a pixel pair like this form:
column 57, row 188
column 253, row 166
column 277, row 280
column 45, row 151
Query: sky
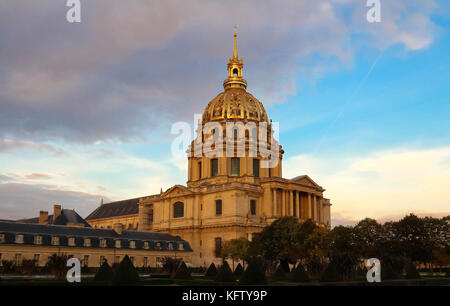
column 86, row 108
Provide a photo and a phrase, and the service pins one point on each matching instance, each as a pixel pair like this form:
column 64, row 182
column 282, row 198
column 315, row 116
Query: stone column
column 320, row 210
column 274, row 203
column 283, row 203
column 291, row 200
column 308, row 208
column 314, row 207
column 297, row 204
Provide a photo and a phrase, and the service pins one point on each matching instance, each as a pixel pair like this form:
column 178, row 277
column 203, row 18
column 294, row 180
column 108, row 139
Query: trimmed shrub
column 411, row 272
column 183, row 272
column 254, row 274
column 225, row 275
column 238, row 271
column 105, row 273
column 331, row 273
column 447, row 273
column 387, row 272
column 280, row 273
column 212, row 271
column 57, row 265
column 126, row 274
column 299, row 274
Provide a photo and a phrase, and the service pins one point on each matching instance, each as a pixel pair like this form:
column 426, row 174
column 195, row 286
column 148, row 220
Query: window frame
column 236, row 160
column 219, row 207
column 253, row 207
column 177, row 211
column 214, row 161
column 256, row 169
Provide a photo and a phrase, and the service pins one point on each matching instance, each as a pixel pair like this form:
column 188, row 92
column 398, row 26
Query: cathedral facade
column 235, row 186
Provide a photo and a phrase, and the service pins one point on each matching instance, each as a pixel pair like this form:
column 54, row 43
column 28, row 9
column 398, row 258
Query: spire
column 235, row 66
column 235, row 53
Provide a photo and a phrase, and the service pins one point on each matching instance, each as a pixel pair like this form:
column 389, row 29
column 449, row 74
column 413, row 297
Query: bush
column 225, row 275
column 387, row 272
column 57, row 265
column 105, row 273
column 28, row 266
column 411, row 272
column 126, row 274
column 254, row 274
column 212, row 271
column 447, row 273
column 183, row 272
column 238, row 271
column 299, row 274
column 331, row 273
column 8, row 266
column 280, row 273
column 170, row 265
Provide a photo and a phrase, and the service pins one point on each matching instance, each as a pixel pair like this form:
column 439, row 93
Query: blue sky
column 86, row 109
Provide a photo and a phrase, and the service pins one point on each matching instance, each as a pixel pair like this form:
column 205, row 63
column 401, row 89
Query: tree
column 28, row 266
column 238, row 271
column 125, row 274
column 183, row 272
column 105, row 273
column 255, row 273
column 57, row 265
column 411, row 272
column 331, row 273
column 368, row 234
column 170, row 265
column 225, row 275
column 299, row 274
column 235, row 249
column 280, row 273
column 212, row 271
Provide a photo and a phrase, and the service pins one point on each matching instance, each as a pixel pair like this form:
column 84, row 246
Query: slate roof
column 115, row 209
column 11, row 228
column 66, row 216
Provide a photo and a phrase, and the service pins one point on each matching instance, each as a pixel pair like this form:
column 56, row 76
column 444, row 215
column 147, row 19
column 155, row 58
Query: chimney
column 118, row 228
column 43, row 217
column 56, row 212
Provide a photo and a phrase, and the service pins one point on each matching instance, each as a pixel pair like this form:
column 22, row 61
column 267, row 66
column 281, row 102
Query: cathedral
column 234, row 188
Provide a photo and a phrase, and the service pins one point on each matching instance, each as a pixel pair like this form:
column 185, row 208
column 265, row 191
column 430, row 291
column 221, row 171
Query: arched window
column 235, row 166
column 235, row 72
column 178, row 210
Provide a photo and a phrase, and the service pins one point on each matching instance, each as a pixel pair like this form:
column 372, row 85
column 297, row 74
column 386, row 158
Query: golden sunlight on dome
column 235, row 102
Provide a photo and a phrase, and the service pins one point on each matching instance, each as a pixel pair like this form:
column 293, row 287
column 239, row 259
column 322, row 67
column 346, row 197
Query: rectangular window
column 36, row 259
column 218, row 247
column 86, row 260
column 37, row 239
column 133, row 244
column 87, row 242
column 256, row 167
column 235, row 166
column 181, row 247
column 270, row 172
column 103, row 243
column 145, row 262
column 170, row 246
column 214, row 167
column 19, row 238
column 55, row 240
column 146, row 245
column 18, row 260
column 2, row 238
column 200, row 170
column 118, row 244
column 253, row 207
column 178, row 210
column 102, row 260
column 71, row 241
column 158, row 246
column 218, row 207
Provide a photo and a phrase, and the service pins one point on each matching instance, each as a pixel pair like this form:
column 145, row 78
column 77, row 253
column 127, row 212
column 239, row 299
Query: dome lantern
column 235, row 66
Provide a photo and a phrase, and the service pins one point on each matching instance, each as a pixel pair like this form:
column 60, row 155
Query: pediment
column 305, row 180
column 176, row 191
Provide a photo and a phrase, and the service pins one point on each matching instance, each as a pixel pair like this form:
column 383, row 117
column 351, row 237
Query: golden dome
column 235, row 102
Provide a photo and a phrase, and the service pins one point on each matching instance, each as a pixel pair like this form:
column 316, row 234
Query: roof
column 66, row 216
column 114, row 209
column 11, row 228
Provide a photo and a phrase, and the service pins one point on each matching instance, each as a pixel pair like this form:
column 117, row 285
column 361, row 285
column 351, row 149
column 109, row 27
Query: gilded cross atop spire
column 235, row 66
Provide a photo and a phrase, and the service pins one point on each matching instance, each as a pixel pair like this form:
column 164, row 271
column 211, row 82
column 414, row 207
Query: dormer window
column 146, row 245
column 71, row 241
column 181, row 247
column 19, row 238
column 103, row 243
column 118, row 244
column 2, row 238
column 55, row 240
column 170, row 246
column 132, row 244
column 158, row 246
column 87, row 242
column 37, row 239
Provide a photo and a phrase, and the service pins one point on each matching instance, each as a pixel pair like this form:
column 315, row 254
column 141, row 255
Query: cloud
column 25, row 201
column 384, row 184
column 34, row 176
column 132, row 66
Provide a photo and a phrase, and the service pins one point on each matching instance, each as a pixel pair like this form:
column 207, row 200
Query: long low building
column 24, row 241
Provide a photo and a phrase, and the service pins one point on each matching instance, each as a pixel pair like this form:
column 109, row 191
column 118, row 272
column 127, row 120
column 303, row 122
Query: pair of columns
column 304, row 207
